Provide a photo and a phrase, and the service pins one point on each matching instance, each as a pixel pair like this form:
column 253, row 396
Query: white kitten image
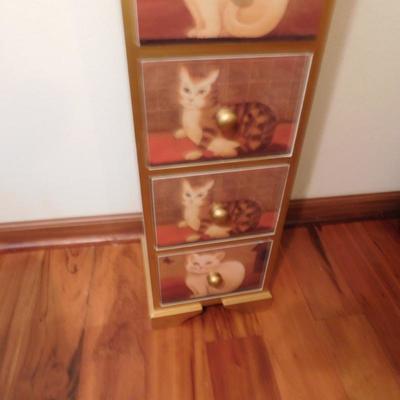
column 199, row 266
column 238, row 18
column 193, row 97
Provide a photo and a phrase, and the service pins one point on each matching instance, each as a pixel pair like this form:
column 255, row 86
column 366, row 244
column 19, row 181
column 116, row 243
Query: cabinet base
column 176, row 315
column 248, row 302
column 169, row 316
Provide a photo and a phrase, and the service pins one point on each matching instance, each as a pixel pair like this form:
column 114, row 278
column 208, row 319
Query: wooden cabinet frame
column 218, row 48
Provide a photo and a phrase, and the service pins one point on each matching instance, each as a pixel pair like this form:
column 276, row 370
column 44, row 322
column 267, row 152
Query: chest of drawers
column 221, row 92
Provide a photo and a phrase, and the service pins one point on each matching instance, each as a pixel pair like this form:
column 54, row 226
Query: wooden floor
column 73, row 326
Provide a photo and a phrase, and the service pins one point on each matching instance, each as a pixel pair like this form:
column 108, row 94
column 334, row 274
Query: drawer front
column 201, row 110
column 163, row 20
column 217, row 206
column 213, row 272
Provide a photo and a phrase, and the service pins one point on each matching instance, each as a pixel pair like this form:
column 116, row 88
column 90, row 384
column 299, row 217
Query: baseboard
column 129, row 227
column 344, row 208
column 70, row 231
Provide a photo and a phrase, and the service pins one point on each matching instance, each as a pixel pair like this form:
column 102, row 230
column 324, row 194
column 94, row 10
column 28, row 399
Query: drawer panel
column 202, row 110
column 166, row 20
column 217, row 206
column 213, row 272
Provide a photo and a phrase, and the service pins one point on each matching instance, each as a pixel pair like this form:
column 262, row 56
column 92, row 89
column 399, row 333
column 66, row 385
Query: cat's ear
column 184, row 74
column 209, row 184
column 191, row 258
column 220, row 255
column 212, row 77
column 186, row 185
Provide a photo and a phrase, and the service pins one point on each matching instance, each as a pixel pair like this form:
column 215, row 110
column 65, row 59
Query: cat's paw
column 223, row 147
column 207, row 33
column 182, row 224
column 216, row 231
column 193, row 155
column 179, row 134
column 193, row 238
column 192, row 33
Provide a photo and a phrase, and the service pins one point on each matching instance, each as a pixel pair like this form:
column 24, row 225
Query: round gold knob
column 214, row 279
column 226, row 118
column 219, row 214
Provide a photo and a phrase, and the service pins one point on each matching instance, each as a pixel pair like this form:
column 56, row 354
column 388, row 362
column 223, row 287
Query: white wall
column 67, row 146
column 353, row 138
column 65, row 120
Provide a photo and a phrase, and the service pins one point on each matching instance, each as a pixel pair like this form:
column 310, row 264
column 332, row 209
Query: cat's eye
column 200, row 195
column 186, row 90
column 187, row 194
column 201, row 91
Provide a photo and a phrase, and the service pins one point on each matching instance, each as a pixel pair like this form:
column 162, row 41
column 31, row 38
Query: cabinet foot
column 171, row 316
column 248, row 302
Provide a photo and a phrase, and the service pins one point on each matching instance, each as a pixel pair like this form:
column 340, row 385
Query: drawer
column 204, row 110
column 213, row 272
column 165, row 20
column 217, row 206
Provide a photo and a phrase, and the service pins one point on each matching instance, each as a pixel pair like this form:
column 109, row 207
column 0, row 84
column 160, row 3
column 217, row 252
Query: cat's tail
column 257, row 19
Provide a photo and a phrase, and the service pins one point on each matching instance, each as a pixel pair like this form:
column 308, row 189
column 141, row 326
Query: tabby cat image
column 243, row 215
column 198, row 97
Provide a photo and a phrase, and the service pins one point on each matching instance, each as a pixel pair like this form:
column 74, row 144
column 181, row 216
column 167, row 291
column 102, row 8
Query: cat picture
column 186, row 276
column 198, row 98
column 197, row 201
column 236, row 18
column 199, row 266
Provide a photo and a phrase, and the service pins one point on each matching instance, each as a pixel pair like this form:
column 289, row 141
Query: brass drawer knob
column 219, row 214
column 214, row 279
column 226, row 118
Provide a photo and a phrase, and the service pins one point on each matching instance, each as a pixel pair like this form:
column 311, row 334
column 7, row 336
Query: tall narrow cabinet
column 221, row 94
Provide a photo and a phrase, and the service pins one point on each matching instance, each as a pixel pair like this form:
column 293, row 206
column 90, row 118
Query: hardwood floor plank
column 323, row 285
column 303, row 367
column 17, row 348
column 114, row 346
column 363, row 366
column 177, row 364
column 387, row 241
column 383, row 259
column 56, row 302
column 219, row 323
column 241, row 369
column 347, row 252
column 10, row 284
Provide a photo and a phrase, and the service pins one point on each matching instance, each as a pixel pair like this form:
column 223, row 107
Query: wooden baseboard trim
column 344, row 208
column 129, row 227
column 70, row 231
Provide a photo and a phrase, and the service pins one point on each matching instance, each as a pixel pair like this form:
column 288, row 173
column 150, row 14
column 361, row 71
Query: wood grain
column 303, row 367
column 324, row 286
column 113, row 352
column 241, row 369
column 348, row 252
column 360, row 360
column 73, row 325
column 41, row 358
